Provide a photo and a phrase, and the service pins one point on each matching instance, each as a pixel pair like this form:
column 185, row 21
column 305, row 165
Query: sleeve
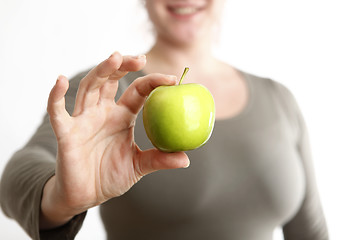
column 309, row 222
column 27, row 172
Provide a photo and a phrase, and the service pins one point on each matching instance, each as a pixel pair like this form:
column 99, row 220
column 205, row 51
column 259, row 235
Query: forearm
column 21, row 186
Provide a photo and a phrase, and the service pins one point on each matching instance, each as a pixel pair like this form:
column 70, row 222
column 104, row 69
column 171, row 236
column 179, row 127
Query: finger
column 88, row 92
column 98, row 75
column 130, row 64
column 134, row 96
column 153, row 160
column 56, row 101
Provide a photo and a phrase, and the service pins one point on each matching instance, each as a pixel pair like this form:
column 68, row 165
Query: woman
column 253, row 175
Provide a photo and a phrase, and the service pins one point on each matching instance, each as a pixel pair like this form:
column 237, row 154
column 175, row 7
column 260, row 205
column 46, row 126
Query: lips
column 184, row 10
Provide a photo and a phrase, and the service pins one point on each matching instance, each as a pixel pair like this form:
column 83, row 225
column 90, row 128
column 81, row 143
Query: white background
column 311, row 46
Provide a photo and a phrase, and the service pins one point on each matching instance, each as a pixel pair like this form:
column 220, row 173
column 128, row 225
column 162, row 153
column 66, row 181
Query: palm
column 97, row 156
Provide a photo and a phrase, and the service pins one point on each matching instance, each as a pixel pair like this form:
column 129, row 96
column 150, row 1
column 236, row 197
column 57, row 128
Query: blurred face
column 184, row 21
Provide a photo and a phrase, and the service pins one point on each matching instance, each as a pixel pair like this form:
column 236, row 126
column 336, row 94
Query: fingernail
column 172, row 77
column 113, row 54
column 59, row 77
column 140, row 57
column 187, row 165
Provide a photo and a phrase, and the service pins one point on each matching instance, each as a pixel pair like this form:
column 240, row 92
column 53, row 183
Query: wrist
column 53, row 212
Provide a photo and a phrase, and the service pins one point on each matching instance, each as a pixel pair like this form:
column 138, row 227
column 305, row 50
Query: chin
column 186, row 36
column 183, row 42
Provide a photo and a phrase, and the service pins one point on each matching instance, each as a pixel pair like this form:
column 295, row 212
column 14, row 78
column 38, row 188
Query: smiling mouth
column 184, row 11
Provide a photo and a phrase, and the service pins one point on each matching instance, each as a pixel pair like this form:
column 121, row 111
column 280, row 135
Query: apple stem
column 183, row 75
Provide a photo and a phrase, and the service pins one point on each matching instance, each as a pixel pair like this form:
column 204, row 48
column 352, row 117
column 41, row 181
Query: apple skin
column 179, row 118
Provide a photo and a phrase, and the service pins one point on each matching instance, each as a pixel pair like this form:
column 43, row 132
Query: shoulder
column 267, row 87
column 268, row 84
column 274, row 95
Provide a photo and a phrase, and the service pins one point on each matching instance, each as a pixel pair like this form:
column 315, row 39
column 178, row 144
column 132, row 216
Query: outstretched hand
column 97, row 157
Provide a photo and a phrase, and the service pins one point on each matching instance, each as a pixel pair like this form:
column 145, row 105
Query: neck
column 170, row 58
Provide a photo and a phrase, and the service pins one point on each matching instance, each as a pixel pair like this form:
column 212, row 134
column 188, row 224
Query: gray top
column 253, row 175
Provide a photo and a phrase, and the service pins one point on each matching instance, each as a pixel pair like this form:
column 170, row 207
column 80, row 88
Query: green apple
column 180, row 117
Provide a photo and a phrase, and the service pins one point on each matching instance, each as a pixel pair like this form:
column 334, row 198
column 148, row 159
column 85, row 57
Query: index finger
column 135, row 95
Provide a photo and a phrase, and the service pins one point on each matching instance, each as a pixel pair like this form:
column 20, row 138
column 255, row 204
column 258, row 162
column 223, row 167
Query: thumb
column 152, row 160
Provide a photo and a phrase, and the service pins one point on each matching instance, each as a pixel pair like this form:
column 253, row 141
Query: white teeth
column 184, row 10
